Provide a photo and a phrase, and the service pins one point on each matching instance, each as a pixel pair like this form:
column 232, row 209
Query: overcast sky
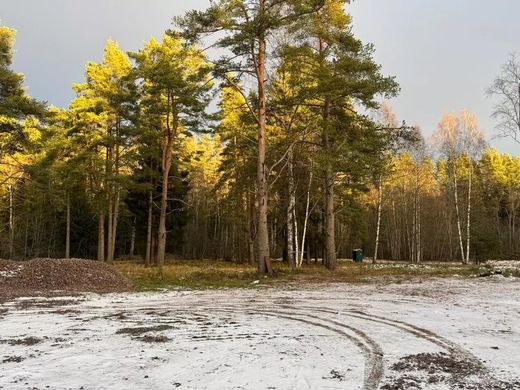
column 444, row 53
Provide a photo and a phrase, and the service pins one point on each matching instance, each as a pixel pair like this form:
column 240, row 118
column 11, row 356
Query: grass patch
column 209, row 274
column 189, row 274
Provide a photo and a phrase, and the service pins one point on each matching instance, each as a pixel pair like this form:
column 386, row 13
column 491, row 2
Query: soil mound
column 41, row 276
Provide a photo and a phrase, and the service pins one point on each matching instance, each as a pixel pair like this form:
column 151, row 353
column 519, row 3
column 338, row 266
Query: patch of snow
column 317, row 337
column 504, row 265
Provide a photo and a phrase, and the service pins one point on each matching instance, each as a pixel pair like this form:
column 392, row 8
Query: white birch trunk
column 307, row 212
column 296, row 239
column 291, row 212
column 457, row 211
column 379, row 212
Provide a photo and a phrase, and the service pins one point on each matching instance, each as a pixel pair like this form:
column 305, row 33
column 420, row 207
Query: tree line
column 278, row 146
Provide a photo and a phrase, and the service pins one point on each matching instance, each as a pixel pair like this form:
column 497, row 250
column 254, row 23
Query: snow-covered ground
column 439, row 334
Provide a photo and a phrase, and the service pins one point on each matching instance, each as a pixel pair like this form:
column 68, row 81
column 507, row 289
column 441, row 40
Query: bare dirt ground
column 439, row 334
column 50, row 276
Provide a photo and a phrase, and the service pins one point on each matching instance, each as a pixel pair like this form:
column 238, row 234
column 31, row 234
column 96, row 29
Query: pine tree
column 174, row 92
column 103, row 112
column 246, row 26
column 344, row 76
column 17, row 112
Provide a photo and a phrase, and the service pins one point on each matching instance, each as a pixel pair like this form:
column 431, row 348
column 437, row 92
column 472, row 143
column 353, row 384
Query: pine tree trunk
column 101, row 237
column 11, row 222
column 131, row 252
column 114, row 200
column 166, row 166
column 148, row 258
column 172, row 124
column 273, row 240
column 27, row 239
column 36, row 236
column 250, row 228
column 67, row 238
column 110, row 220
column 109, row 197
column 395, row 236
column 330, row 243
column 153, row 253
column 115, row 223
column 262, row 232
column 511, row 224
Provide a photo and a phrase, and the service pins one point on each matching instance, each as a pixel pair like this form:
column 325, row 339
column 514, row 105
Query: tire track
column 452, row 348
column 417, row 331
column 372, row 352
column 407, row 327
column 347, row 321
column 455, row 350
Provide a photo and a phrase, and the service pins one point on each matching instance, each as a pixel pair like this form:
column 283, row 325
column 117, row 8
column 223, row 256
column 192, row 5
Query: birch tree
column 459, row 137
column 388, row 120
column 506, row 90
column 473, row 143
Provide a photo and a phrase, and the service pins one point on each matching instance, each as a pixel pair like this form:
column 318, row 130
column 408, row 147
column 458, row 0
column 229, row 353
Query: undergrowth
column 207, row 274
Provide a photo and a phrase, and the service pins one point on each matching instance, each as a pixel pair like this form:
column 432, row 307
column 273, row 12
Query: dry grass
column 205, row 274
column 193, row 274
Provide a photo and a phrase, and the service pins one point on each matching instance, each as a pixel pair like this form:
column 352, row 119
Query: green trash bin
column 357, row 255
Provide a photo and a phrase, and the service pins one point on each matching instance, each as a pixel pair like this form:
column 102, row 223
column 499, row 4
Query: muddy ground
column 439, row 334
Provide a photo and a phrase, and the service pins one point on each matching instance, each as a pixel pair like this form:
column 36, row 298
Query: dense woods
column 280, row 144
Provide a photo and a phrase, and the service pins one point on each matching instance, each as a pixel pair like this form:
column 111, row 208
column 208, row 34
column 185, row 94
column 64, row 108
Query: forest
column 249, row 133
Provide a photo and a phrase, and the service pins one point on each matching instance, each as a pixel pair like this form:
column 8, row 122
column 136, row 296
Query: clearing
column 437, row 334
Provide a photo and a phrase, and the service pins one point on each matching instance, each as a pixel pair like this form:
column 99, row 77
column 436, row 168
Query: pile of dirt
column 433, row 363
column 42, row 276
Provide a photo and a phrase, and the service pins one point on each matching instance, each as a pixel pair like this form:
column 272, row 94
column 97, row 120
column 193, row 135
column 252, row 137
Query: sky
column 444, row 53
